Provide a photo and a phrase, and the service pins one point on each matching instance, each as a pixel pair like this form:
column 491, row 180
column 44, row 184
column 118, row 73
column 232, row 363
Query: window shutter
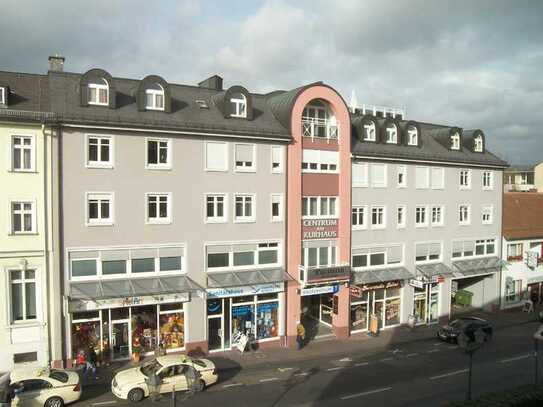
column 244, row 248
column 469, row 246
column 171, row 251
column 421, row 176
column 167, row 98
column 143, row 253
column 421, row 249
column 360, row 174
column 435, row 249
column 437, row 177
column 394, row 254
column 112, row 96
column 277, row 154
column 218, row 249
column 216, row 156
column 457, row 246
column 112, row 255
column 244, row 152
column 310, row 155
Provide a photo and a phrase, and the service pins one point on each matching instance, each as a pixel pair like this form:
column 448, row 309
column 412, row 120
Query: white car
column 133, row 384
column 39, row 387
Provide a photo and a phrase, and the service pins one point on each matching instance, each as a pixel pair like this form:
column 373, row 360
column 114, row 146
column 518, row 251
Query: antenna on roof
column 354, row 102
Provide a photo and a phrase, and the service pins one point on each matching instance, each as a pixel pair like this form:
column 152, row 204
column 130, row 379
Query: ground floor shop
column 426, row 304
column 520, row 283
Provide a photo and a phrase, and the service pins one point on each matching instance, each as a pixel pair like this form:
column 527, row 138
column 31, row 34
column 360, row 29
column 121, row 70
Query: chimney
column 213, row 82
column 56, row 63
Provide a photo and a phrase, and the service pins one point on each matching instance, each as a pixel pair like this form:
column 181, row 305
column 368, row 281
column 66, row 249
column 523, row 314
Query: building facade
column 29, row 312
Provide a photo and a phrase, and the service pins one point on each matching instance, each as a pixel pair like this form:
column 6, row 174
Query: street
column 422, row 373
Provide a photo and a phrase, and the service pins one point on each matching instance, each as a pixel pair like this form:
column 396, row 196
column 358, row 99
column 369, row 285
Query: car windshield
column 199, row 362
column 58, row 375
column 151, row 367
column 456, row 323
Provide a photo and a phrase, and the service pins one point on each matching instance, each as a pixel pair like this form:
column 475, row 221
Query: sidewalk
column 358, row 344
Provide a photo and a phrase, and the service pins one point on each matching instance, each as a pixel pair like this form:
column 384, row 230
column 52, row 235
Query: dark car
column 468, row 325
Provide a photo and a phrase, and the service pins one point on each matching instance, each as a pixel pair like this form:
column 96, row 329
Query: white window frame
column 364, row 182
column 332, row 252
column 367, row 128
column 427, row 183
column 468, row 214
column 33, row 214
column 154, row 93
column 391, row 131
column 279, row 169
column 243, row 168
column 364, row 209
column 403, row 209
column 320, row 161
column 281, row 216
column 320, row 199
column 487, row 209
column 278, row 244
column 490, row 185
column 478, row 144
column 441, row 209
column 32, row 149
column 385, row 175
column 240, row 107
column 384, row 223
column 401, row 169
column 100, row 163
column 226, row 154
column 428, row 260
column 159, row 166
column 412, row 137
column 243, row 218
column 169, row 205
column 455, row 141
column 23, row 280
column 100, row 196
column 216, row 219
column 422, row 209
column 461, row 179
column 433, row 171
column 2, row 95
column 98, row 87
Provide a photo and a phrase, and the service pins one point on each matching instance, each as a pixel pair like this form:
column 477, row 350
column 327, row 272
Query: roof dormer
column 367, row 128
column 390, row 131
column 235, row 102
column 411, row 133
column 154, row 94
column 97, row 89
column 4, row 96
column 455, row 140
column 474, row 140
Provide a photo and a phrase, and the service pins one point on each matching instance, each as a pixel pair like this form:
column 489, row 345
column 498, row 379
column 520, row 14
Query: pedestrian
column 300, row 335
column 6, row 391
column 90, row 364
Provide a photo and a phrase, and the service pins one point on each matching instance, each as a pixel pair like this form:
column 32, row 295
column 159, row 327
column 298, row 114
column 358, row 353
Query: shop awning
column 473, row 267
column 381, row 275
column 136, row 287
column 432, row 270
column 246, row 277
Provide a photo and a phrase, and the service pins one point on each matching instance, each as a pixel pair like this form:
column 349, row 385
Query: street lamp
column 538, row 336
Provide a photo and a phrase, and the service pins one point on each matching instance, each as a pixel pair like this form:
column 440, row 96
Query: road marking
column 433, row 351
column 334, row 368
column 346, row 360
column 515, row 358
column 439, row 344
column 104, row 403
column 352, row 396
column 411, row 355
column 362, row 364
column 386, row 359
column 271, row 379
column 284, row 369
column 302, row 374
column 441, row 376
column 232, row 385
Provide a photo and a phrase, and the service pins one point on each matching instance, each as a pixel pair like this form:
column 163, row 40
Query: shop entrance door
column 215, row 332
column 120, row 339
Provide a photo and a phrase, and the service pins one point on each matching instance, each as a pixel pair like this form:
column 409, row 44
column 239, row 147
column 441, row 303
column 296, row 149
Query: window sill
column 245, row 220
column 487, row 223
column 401, row 186
column 98, row 165
column 215, row 221
column 400, row 227
column 359, row 228
column 421, row 226
column 158, row 222
column 277, row 220
column 158, row 167
column 98, row 104
column 25, row 324
column 461, row 188
column 23, row 234
column 277, row 172
column 14, row 171
column 379, row 186
column 245, row 169
column 464, row 224
column 488, row 189
column 91, row 224
column 216, row 169
column 378, row 227
column 360, row 186
column 437, row 225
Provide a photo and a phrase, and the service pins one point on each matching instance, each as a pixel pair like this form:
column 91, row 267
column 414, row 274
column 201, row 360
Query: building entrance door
column 215, row 332
column 120, row 339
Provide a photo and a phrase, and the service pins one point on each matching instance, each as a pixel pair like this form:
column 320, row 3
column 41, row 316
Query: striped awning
column 381, row 275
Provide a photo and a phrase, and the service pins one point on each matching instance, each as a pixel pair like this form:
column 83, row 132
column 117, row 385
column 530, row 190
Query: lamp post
column 470, row 343
column 538, row 336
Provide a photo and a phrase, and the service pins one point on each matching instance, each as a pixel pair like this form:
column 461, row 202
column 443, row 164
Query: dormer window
column 369, row 131
column 3, row 96
column 239, row 104
column 412, row 136
column 392, row 133
column 154, row 97
column 455, row 141
column 478, row 146
column 98, row 92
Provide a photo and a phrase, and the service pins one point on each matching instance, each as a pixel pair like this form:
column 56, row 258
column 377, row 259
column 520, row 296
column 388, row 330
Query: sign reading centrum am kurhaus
column 319, row 228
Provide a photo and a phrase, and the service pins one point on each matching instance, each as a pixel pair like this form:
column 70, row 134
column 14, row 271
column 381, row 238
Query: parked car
column 135, row 383
column 35, row 387
column 468, row 325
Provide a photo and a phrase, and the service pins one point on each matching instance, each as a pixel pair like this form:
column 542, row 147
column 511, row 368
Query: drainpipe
column 47, row 302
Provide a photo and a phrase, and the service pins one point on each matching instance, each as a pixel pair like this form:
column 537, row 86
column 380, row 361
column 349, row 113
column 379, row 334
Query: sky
column 471, row 64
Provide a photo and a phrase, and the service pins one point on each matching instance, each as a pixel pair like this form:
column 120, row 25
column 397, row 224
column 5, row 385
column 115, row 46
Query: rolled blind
column 216, row 155
column 171, row 251
column 218, row 249
column 83, row 255
column 421, row 249
column 244, row 247
column 143, row 253
column 394, row 254
column 435, row 249
column 244, row 152
column 359, row 250
column 112, row 255
column 469, row 246
column 360, row 174
column 457, row 246
column 277, row 154
column 421, row 176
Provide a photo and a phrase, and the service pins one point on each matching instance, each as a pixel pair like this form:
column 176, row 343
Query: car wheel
column 135, row 395
column 54, row 402
column 199, row 386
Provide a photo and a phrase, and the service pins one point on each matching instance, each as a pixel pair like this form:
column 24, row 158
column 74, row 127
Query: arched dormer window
column 391, row 133
column 154, row 97
column 98, row 93
column 239, row 105
column 412, row 135
column 478, row 144
column 455, row 141
column 369, row 131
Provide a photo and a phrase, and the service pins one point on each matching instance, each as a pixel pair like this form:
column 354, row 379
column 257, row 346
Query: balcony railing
column 519, row 187
column 320, row 128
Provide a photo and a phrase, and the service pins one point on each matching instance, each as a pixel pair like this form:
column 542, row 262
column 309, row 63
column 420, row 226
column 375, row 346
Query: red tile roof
column 522, row 215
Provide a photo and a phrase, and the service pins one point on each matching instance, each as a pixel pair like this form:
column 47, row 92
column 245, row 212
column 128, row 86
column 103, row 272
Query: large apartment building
column 188, row 215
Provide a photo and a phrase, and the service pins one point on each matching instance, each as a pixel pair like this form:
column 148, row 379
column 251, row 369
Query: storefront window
column 119, row 313
column 85, row 333
column 114, row 267
column 379, row 294
column 392, row 314
column 267, row 321
column 172, row 326
column 144, row 329
column 240, row 300
column 359, row 316
column 242, row 319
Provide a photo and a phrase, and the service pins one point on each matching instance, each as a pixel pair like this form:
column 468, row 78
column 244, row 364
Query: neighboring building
column 538, row 177
column 426, row 220
column 30, row 310
column 522, row 248
column 520, row 179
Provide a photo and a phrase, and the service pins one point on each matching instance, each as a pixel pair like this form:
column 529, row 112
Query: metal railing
column 320, row 128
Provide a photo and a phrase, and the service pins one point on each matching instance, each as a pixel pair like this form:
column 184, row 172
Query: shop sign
column 355, row 291
column 531, row 259
column 245, row 290
column 416, row 283
column 92, row 305
column 325, row 289
column 377, row 286
column 319, row 228
column 318, row 274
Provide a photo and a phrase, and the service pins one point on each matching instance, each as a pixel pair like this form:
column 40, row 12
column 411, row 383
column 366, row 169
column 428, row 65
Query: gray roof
column 520, row 168
column 431, row 148
column 381, row 275
column 185, row 115
column 246, row 277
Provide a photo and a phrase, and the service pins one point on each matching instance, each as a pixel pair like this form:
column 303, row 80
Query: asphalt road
column 425, row 373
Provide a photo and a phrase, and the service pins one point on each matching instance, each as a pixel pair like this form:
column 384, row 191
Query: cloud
column 471, row 64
